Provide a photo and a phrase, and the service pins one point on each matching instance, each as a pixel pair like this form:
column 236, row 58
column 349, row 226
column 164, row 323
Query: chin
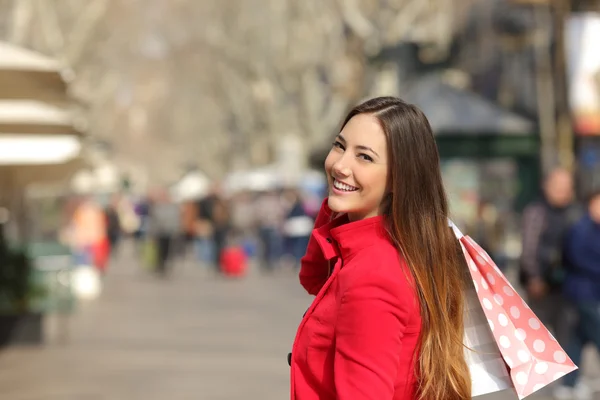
column 338, row 205
column 334, row 204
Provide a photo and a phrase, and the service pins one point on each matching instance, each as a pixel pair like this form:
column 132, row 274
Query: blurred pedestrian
column 165, row 227
column 113, row 224
column 142, row 212
column 582, row 290
column 297, row 227
column 269, row 218
column 542, row 265
column 214, row 223
column 243, row 221
column 221, row 217
column 88, row 233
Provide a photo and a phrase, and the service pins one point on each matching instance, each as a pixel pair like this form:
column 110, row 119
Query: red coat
column 358, row 339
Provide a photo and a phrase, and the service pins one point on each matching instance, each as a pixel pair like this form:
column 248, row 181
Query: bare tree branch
column 84, row 29
column 218, row 82
column 49, row 26
column 21, row 20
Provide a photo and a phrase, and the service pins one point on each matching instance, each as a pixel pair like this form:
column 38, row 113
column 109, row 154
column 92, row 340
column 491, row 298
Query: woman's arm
column 314, row 268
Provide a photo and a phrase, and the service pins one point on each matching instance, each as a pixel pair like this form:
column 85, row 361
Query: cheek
column 378, row 183
column 329, row 161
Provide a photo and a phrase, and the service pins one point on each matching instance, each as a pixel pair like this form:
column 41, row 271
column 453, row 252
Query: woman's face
column 356, row 168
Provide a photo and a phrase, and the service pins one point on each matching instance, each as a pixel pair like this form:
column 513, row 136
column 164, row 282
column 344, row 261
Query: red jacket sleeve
column 371, row 323
column 314, row 268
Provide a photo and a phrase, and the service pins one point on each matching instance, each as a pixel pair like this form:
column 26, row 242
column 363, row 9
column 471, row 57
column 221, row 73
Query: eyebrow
column 360, row 147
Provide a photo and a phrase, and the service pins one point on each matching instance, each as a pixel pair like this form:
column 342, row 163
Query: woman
column 387, row 320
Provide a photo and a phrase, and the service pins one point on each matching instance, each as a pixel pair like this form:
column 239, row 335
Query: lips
column 343, row 186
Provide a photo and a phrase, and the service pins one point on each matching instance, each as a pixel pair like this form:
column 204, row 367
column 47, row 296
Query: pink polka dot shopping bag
column 507, row 345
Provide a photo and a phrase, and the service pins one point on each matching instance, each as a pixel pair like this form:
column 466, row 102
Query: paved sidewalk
column 192, row 336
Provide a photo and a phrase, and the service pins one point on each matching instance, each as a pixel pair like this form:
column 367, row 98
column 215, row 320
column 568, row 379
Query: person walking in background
column 542, row 266
column 221, row 217
column 297, row 226
column 165, row 228
column 189, row 216
column 582, row 290
column 89, row 233
column 203, row 231
column 269, row 219
column 214, row 222
column 387, row 272
column 142, row 212
column 243, row 221
column 113, row 224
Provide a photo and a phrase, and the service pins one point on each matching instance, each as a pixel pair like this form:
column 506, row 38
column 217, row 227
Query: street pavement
column 193, row 335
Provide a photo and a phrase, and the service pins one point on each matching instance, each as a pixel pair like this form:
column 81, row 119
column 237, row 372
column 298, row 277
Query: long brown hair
column 416, row 214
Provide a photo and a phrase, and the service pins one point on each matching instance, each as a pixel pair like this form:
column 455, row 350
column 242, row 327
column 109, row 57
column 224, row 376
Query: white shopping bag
column 489, row 373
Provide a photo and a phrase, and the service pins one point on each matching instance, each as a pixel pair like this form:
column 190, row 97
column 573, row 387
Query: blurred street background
column 195, row 338
column 161, row 165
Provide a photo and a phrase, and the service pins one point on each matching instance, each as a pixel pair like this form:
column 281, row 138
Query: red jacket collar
column 341, row 237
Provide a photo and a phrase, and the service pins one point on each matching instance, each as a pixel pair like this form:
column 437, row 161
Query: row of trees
column 217, row 83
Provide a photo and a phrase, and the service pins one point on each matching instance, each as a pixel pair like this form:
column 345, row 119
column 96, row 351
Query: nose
column 341, row 169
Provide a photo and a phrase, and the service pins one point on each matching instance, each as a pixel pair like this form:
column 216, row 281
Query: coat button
column 289, row 358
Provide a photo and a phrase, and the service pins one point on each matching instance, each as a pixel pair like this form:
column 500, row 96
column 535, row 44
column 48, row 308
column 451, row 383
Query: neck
column 353, row 217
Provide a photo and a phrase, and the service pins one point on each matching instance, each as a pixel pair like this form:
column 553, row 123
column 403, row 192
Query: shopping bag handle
column 455, row 229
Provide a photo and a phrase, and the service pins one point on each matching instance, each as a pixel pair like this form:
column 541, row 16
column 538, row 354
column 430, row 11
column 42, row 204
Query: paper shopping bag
column 533, row 356
column 489, row 373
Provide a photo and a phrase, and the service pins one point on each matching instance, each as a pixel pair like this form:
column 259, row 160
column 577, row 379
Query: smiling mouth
column 343, row 187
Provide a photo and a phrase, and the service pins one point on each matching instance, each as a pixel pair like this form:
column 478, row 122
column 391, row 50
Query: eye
column 365, row 157
column 338, row 144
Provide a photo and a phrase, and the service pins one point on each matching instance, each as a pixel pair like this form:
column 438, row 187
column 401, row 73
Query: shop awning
column 454, row 111
column 38, row 143
column 25, row 74
column 35, row 117
column 38, row 150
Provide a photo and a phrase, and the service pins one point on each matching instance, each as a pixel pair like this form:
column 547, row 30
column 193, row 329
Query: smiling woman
column 387, row 320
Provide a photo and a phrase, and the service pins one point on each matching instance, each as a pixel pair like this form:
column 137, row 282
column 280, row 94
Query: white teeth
column 343, row 186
